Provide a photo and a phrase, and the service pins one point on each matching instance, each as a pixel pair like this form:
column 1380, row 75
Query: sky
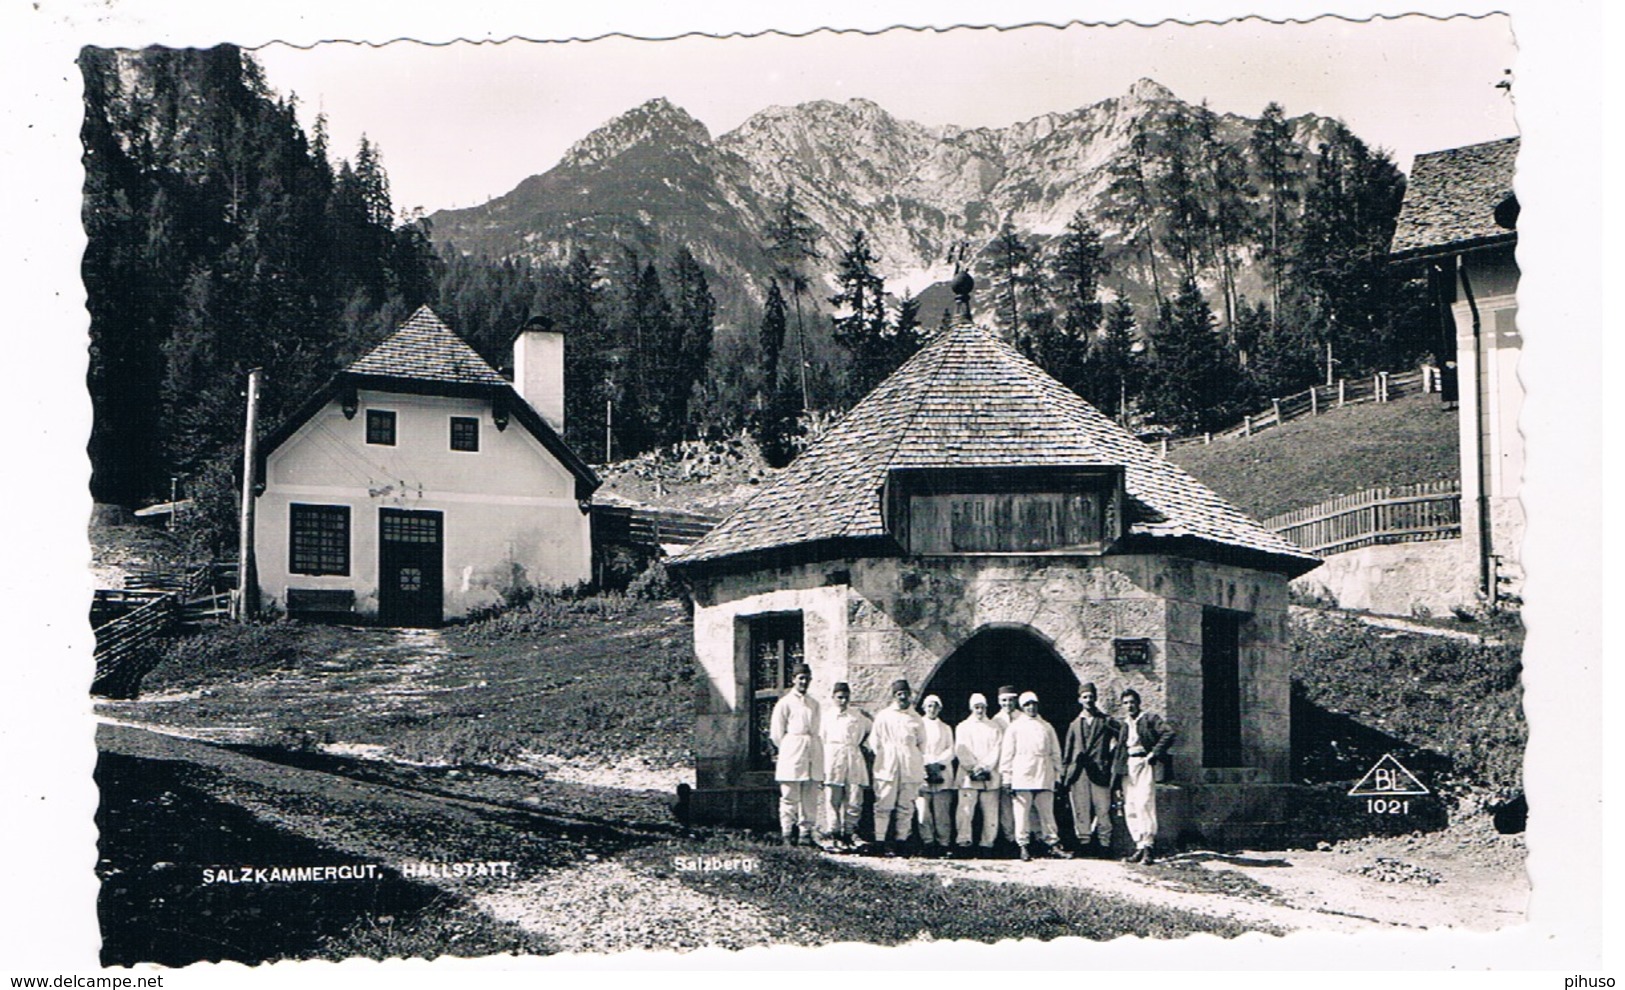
column 461, row 123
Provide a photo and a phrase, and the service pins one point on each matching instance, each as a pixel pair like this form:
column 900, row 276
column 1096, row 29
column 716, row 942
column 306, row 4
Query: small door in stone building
column 1221, row 688
column 775, row 651
column 410, row 568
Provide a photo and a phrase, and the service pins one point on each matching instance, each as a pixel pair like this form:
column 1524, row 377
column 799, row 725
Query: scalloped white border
column 1566, row 76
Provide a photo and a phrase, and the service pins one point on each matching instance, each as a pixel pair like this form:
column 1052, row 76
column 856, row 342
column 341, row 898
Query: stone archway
column 1000, row 655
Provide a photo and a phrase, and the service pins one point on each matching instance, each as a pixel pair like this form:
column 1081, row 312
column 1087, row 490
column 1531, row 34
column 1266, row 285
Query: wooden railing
column 1381, row 387
column 647, row 527
column 129, row 621
column 1392, row 514
column 126, row 648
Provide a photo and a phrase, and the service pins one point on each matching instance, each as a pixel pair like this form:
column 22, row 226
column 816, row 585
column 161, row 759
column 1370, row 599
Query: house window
column 381, row 427
column 775, row 650
column 465, row 433
column 319, row 539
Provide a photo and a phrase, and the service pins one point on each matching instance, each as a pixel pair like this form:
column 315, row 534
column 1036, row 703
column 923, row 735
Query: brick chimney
column 538, row 369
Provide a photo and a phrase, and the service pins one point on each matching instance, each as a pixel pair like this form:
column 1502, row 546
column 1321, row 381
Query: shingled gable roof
column 426, row 357
column 1451, row 200
column 968, row 399
column 424, row 349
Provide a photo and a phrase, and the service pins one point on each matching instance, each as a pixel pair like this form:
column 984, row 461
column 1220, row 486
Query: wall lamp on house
column 349, row 402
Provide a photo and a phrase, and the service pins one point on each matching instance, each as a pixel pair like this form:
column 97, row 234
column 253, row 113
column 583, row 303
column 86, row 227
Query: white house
column 1458, row 225
column 419, row 483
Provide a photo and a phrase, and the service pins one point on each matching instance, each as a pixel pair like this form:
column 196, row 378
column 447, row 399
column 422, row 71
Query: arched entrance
column 997, row 656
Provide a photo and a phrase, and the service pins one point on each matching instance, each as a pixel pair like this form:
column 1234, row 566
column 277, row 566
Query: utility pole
column 247, row 600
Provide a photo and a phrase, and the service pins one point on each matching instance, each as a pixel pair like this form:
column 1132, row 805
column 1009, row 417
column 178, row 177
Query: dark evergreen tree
column 1131, row 206
column 1275, row 158
column 1352, row 300
column 1230, row 219
column 649, row 415
column 1015, row 277
column 792, row 244
column 777, row 422
column 694, row 318
column 876, row 346
column 1180, row 193
column 1115, row 372
column 1196, row 384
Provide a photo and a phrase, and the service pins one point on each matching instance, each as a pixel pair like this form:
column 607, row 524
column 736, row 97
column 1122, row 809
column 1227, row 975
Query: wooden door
column 411, row 569
column 1221, row 688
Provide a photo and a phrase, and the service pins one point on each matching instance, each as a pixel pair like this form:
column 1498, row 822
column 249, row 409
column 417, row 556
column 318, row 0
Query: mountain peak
column 657, row 120
column 1147, row 90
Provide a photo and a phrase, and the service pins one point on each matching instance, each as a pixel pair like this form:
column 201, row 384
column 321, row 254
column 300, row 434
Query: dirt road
column 404, row 748
column 589, row 869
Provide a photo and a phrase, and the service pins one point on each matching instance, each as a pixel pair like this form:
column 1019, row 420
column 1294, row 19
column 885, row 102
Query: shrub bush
column 1456, row 702
column 231, row 651
column 544, row 611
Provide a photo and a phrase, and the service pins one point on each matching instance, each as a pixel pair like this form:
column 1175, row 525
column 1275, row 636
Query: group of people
column 1000, row 772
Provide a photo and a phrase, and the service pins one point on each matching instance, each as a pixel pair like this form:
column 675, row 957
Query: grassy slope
column 1343, row 451
column 607, row 677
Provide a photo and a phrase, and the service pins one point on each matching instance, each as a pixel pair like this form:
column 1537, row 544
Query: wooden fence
column 1392, row 514
column 129, row 621
column 1381, row 387
column 648, row 528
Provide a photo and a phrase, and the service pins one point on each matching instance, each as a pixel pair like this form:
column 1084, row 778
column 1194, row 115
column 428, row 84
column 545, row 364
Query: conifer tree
column 792, row 244
column 1115, row 371
column 1014, row 279
column 1196, row 384
column 1275, row 157
column 694, row 317
column 860, row 323
column 777, row 424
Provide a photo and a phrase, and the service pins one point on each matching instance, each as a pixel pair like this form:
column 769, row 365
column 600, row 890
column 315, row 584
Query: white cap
column 930, row 698
column 978, row 699
column 1027, row 696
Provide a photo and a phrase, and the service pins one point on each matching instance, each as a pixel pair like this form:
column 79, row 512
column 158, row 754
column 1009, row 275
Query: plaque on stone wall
column 1132, row 652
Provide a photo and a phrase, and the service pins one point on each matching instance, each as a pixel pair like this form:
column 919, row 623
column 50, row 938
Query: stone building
column 972, row 523
column 1458, row 226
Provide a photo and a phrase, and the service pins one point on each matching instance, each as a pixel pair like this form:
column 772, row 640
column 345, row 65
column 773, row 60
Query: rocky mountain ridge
column 654, row 178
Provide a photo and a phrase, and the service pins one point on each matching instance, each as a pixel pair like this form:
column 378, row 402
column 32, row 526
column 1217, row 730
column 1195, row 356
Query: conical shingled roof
column 968, row 400
column 425, row 349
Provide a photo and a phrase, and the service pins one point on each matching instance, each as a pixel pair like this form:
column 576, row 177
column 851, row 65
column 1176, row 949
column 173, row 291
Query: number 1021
column 1388, row 806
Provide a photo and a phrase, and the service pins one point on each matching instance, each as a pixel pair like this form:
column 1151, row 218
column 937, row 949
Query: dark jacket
column 1089, row 751
column 1156, row 735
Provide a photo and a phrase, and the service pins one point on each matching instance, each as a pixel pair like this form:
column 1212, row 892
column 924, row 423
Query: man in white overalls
column 800, row 764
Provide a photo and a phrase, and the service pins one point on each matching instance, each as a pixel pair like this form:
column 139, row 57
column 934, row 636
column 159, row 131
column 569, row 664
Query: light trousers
column 1140, row 802
column 1044, row 802
column 969, row 802
column 935, row 810
column 798, row 805
column 843, row 808
column 894, row 804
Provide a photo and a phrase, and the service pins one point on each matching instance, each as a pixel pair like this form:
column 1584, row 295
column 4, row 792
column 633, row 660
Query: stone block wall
column 871, row 621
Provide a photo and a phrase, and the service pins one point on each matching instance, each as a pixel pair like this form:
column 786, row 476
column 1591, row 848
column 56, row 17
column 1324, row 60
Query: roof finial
column 962, row 284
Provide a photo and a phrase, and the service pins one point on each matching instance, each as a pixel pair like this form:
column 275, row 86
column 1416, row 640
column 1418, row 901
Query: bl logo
column 1389, row 778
